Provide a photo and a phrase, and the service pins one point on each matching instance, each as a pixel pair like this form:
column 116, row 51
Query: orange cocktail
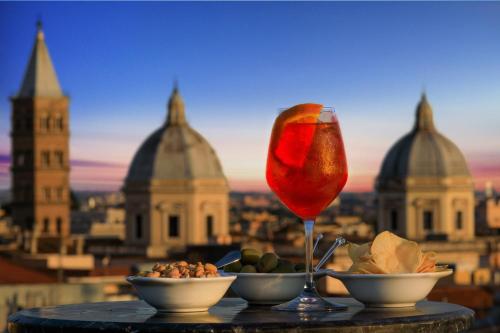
column 307, row 169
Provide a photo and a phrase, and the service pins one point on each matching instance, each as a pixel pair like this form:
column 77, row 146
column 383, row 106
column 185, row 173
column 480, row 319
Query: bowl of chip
column 390, row 290
column 181, row 287
column 390, row 271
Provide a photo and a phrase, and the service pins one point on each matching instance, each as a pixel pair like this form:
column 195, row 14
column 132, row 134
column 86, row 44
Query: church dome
column 175, row 151
column 423, row 152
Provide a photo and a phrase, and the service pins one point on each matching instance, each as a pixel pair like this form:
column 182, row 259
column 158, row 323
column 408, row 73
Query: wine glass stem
column 309, row 226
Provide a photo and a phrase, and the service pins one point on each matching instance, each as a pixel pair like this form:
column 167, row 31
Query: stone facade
column 40, row 149
column 488, row 212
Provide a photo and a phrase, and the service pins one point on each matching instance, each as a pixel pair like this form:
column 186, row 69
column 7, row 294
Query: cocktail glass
column 307, row 169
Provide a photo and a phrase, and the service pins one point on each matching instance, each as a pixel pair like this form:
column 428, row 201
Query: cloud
column 109, row 176
column 85, row 174
column 99, row 164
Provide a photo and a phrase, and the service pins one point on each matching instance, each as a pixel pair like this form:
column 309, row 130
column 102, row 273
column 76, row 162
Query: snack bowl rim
column 320, row 273
column 135, row 278
column 347, row 275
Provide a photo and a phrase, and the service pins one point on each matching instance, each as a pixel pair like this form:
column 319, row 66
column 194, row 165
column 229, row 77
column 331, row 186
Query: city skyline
column 374, row 76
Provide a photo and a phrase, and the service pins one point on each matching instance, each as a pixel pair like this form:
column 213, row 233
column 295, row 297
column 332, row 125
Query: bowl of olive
column 266, row 279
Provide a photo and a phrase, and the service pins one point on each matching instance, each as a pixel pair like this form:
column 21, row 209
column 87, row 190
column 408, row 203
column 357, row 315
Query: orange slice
column 290, row 143
column 301, row 113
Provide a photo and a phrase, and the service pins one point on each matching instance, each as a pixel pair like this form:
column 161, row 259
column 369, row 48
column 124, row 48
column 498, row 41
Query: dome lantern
column 424, row 117
column 176, row 114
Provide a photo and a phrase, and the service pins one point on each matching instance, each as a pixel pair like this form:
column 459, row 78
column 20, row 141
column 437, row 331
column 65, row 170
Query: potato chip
column 428, row 263
column 355, row 251
column 388, row 254
column 367, row 266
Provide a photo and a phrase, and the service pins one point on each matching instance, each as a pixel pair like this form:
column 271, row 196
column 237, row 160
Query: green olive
column 250, row 256
column 234, row 267
column 248, row 269
column 284, row 266
column 267, row 262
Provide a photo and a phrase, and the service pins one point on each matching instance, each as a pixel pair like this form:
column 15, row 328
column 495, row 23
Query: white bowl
column 390, row 290
column 181, row 295
column 269, row 288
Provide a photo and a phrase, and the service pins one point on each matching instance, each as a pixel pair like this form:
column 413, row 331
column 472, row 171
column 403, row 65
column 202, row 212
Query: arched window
column 45, row 158
column 59, row 123
column 44, row 123
column 59, row 225
column 47, row 195
column 209, row 221
column 59, row 157
column 60, row 193
column 138, row 226
column 428, row 219
column 46, row 225
column 394, row 219
column 173, row 226
column 459, row 220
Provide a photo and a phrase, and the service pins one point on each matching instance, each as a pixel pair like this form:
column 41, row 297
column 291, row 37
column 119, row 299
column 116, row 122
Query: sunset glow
column 359, row 58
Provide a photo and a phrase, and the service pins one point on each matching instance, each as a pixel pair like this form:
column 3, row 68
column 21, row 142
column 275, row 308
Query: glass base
column 309, row 301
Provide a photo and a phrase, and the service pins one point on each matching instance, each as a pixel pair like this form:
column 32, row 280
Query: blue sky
column 237, row 63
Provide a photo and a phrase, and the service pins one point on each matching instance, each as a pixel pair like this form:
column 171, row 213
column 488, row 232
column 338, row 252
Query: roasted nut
column 182, row 269
column 153, row 274
column 211, row 274
column 174, row 273
column 210, row 268
column 182, row 263
column 159, row 267
column 199, row 272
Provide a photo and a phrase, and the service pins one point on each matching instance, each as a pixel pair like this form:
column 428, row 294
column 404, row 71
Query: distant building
column 176, row 193
column 354, row 227
column 40, row 149
column 424, row 188
column 112, row 226
column 488, row 213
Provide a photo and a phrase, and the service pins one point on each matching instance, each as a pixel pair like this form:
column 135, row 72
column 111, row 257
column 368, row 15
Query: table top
column 233, row 315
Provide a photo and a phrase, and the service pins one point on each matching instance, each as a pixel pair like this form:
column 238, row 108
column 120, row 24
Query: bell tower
column 40, row 149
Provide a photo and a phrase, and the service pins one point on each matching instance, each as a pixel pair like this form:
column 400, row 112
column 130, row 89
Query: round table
column 233, row 315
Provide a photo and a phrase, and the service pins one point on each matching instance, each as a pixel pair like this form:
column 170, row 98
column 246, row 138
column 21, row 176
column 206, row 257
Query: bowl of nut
column 181, row 287
column 266, row 279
